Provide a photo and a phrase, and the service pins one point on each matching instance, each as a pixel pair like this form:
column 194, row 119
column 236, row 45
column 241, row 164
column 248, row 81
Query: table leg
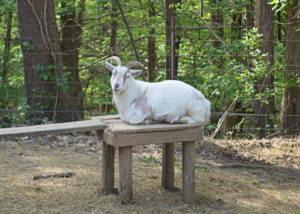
column 108, row 168
column 125, row 171
column 168, row 166
column 188, row 171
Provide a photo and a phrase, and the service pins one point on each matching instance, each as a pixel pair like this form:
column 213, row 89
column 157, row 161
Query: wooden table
column 124, row 136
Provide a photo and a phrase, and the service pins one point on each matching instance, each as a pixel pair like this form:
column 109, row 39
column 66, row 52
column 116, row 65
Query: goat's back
column 173, row 99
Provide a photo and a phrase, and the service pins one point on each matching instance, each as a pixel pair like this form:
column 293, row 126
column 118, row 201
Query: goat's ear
column 135, row 73
column 109, row 66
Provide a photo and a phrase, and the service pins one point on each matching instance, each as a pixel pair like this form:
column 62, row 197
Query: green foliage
column 205, row 169
column 279, row 5
column 28, row 46
column 255, row 182
column 149, row 159
column 178, row 164
column 62, row 80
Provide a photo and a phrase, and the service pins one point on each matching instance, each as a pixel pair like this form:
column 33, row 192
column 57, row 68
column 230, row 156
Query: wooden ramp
column 58, row 128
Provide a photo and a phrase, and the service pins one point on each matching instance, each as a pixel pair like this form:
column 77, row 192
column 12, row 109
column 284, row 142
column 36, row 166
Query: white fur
column 169, row 101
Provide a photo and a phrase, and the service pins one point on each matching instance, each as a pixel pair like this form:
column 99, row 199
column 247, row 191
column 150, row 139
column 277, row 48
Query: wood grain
column 125, row 170
column 158, row 137
column 168, row 166
column 59, row 128
column 108, row 169
column 117, row 126
column 188, row 171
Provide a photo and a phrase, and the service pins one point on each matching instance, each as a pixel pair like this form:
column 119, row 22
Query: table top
column 121, row 134
column 117, row 126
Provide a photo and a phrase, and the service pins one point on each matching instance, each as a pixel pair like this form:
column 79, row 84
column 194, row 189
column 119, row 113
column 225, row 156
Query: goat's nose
column 116, row 85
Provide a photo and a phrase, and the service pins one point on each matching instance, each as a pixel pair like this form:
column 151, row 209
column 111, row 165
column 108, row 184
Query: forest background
column 243, row 55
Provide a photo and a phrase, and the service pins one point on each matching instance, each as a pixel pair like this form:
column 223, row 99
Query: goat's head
column 121, row 75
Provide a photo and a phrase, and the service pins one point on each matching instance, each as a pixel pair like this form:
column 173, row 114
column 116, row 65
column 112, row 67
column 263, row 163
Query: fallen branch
column 221, row 120
column 59, row 175
column 249, row 166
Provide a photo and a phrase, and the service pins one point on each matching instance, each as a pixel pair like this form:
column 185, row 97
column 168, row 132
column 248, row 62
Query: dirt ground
column 232, row 176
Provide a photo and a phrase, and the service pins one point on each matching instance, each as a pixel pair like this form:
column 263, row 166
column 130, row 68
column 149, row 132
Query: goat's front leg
column 137, row 118
column 186, row 119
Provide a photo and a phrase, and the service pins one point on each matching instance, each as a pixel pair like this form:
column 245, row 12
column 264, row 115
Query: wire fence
column 201, row 60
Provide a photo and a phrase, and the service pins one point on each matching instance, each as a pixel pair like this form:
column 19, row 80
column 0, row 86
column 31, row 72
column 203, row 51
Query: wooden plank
column 59, row 128
column 188, row 171
column 108, row 169
column 125, row 170
column 167, row 181
column 132, row 139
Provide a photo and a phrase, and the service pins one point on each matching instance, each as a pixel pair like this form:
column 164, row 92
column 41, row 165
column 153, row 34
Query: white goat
column 140, row 102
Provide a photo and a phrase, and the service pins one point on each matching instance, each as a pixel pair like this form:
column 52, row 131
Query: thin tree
column 7, row 45
column 172, row 40
column 71, row 34
column 217, row 21
column 113, row 26
column 151, row 45
column 249, row 15
column 290, row 106
column 265, row 107
column 6, row 57
column 113, row 46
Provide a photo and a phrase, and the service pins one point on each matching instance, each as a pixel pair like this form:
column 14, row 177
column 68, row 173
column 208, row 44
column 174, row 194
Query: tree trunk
column 70, row 44
column 151, row 46
column 6, row 57
column 249, row 15
column 217, row 21
column 113, row 24
column 6, row 54
column 172, row 41
column 236, row 26
column 113, row 48
column 42, row 62
column 169, row 15
column 279, row 26
column 290, row 106
column 264, row 23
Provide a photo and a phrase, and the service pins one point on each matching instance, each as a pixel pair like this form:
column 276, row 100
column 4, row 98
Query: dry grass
column 231, row 177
